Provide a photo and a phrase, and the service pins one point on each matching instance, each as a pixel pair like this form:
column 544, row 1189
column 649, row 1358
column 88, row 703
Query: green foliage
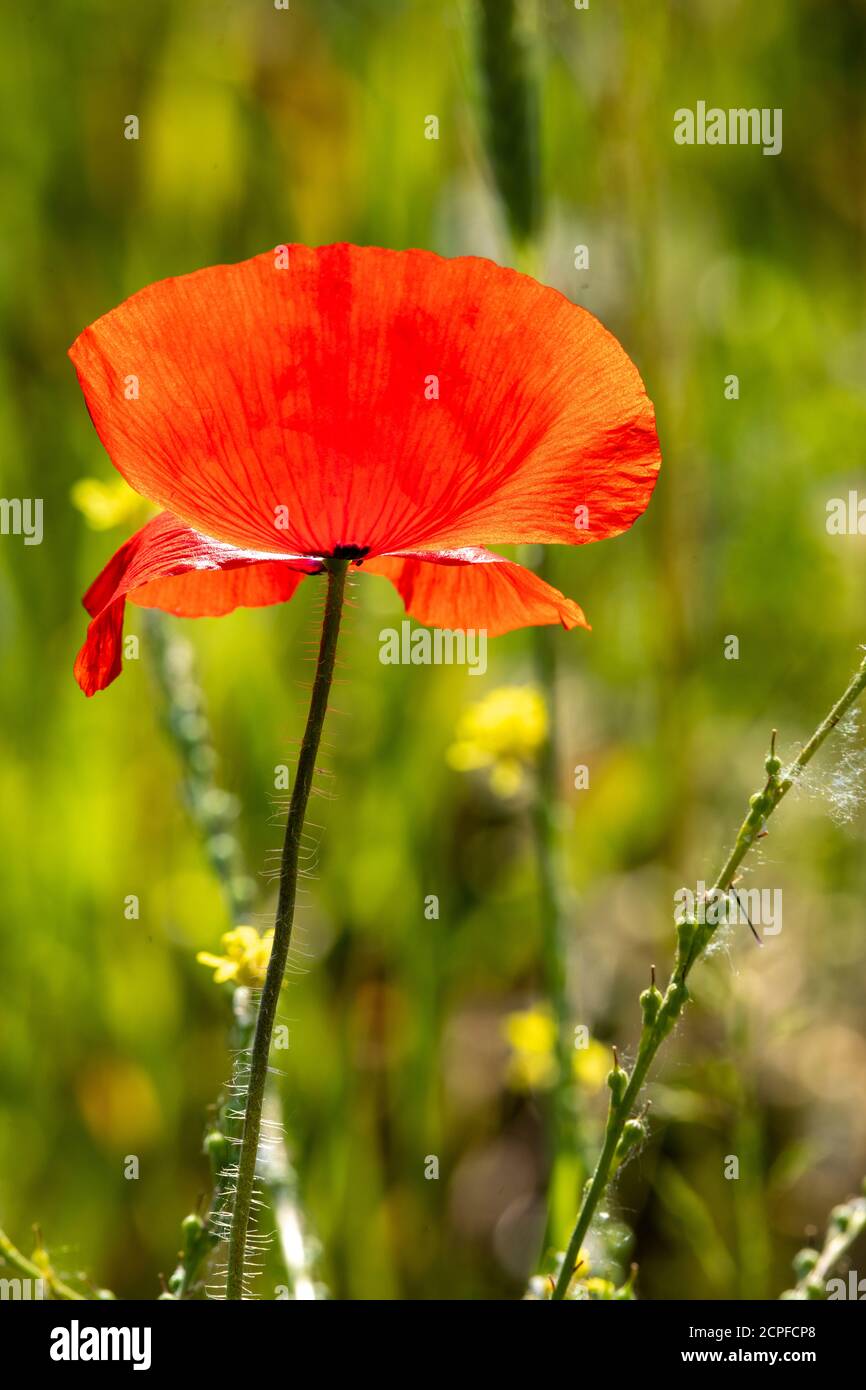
column 259, row 127
column 511, row 113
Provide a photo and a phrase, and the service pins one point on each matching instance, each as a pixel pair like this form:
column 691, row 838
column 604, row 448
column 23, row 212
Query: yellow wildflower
column 600, row 1289
column 590, row 1066
column 246, row 958
column 105, row 504
column 531, row 1034
column 501, row 734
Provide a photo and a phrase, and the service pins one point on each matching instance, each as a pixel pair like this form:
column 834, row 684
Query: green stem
column 12, row 1255
column 213, row 812
column 661, row 1016
column 282, row 929
column 847, row 1224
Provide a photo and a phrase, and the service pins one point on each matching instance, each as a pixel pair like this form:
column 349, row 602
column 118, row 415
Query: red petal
column 166, row 565
column 473, row 588
column 306, row 388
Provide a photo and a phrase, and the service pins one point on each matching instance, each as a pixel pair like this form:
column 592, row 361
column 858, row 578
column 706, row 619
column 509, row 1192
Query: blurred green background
column 260, row 126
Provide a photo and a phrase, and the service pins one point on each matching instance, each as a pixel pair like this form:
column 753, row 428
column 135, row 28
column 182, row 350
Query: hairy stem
column 661, row 1012
column 282, row 929
column 847, row 1223
column 213, row 811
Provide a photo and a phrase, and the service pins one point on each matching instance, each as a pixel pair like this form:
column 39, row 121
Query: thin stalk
column 213, row 812
column 45, row 1274
column 660, row 1013
column 258, row 1073
column 847, row 1223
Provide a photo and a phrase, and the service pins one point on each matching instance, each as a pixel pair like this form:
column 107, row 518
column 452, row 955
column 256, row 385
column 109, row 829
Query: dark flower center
column 349, row 552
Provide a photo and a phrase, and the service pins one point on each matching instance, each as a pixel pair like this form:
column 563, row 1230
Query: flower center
column 349, row 552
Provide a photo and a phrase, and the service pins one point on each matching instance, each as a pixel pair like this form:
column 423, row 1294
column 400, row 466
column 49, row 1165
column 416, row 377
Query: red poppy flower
column 391, row 407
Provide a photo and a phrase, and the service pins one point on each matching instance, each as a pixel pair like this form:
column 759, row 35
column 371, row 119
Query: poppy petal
column 473, row 588
column 360, row 397
column 166, row 565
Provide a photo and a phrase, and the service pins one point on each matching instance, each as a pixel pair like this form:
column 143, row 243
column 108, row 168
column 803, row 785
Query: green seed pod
column 773, row 766
column 677, row 997
column 674, row 1000
column 191, row 1228
column 804, row 1262
column 840, row 1218
column 626, row 1293
column 673, row 1004
column 632, row 1135
column 218, row 1149
column 617, row 1080
column 650, row 1002
column 222, row 848
column 814, row 1290
column 685, row 937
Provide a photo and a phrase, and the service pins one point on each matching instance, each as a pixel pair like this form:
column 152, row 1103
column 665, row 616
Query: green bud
column 814, row 1290
column 672, row 1006
column 202, row 759
column 222, row 848
column 175, row 1283
column 218, row 1150
column 677, row 997
column 633, row 1134
column 191, row 1228
column 773, row 766
column 685, row 937
column 804, row 1262
column 840, row 1218
column 617, row 1080
column 626, row 1293
column 190, row 728
column 650, row 1002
